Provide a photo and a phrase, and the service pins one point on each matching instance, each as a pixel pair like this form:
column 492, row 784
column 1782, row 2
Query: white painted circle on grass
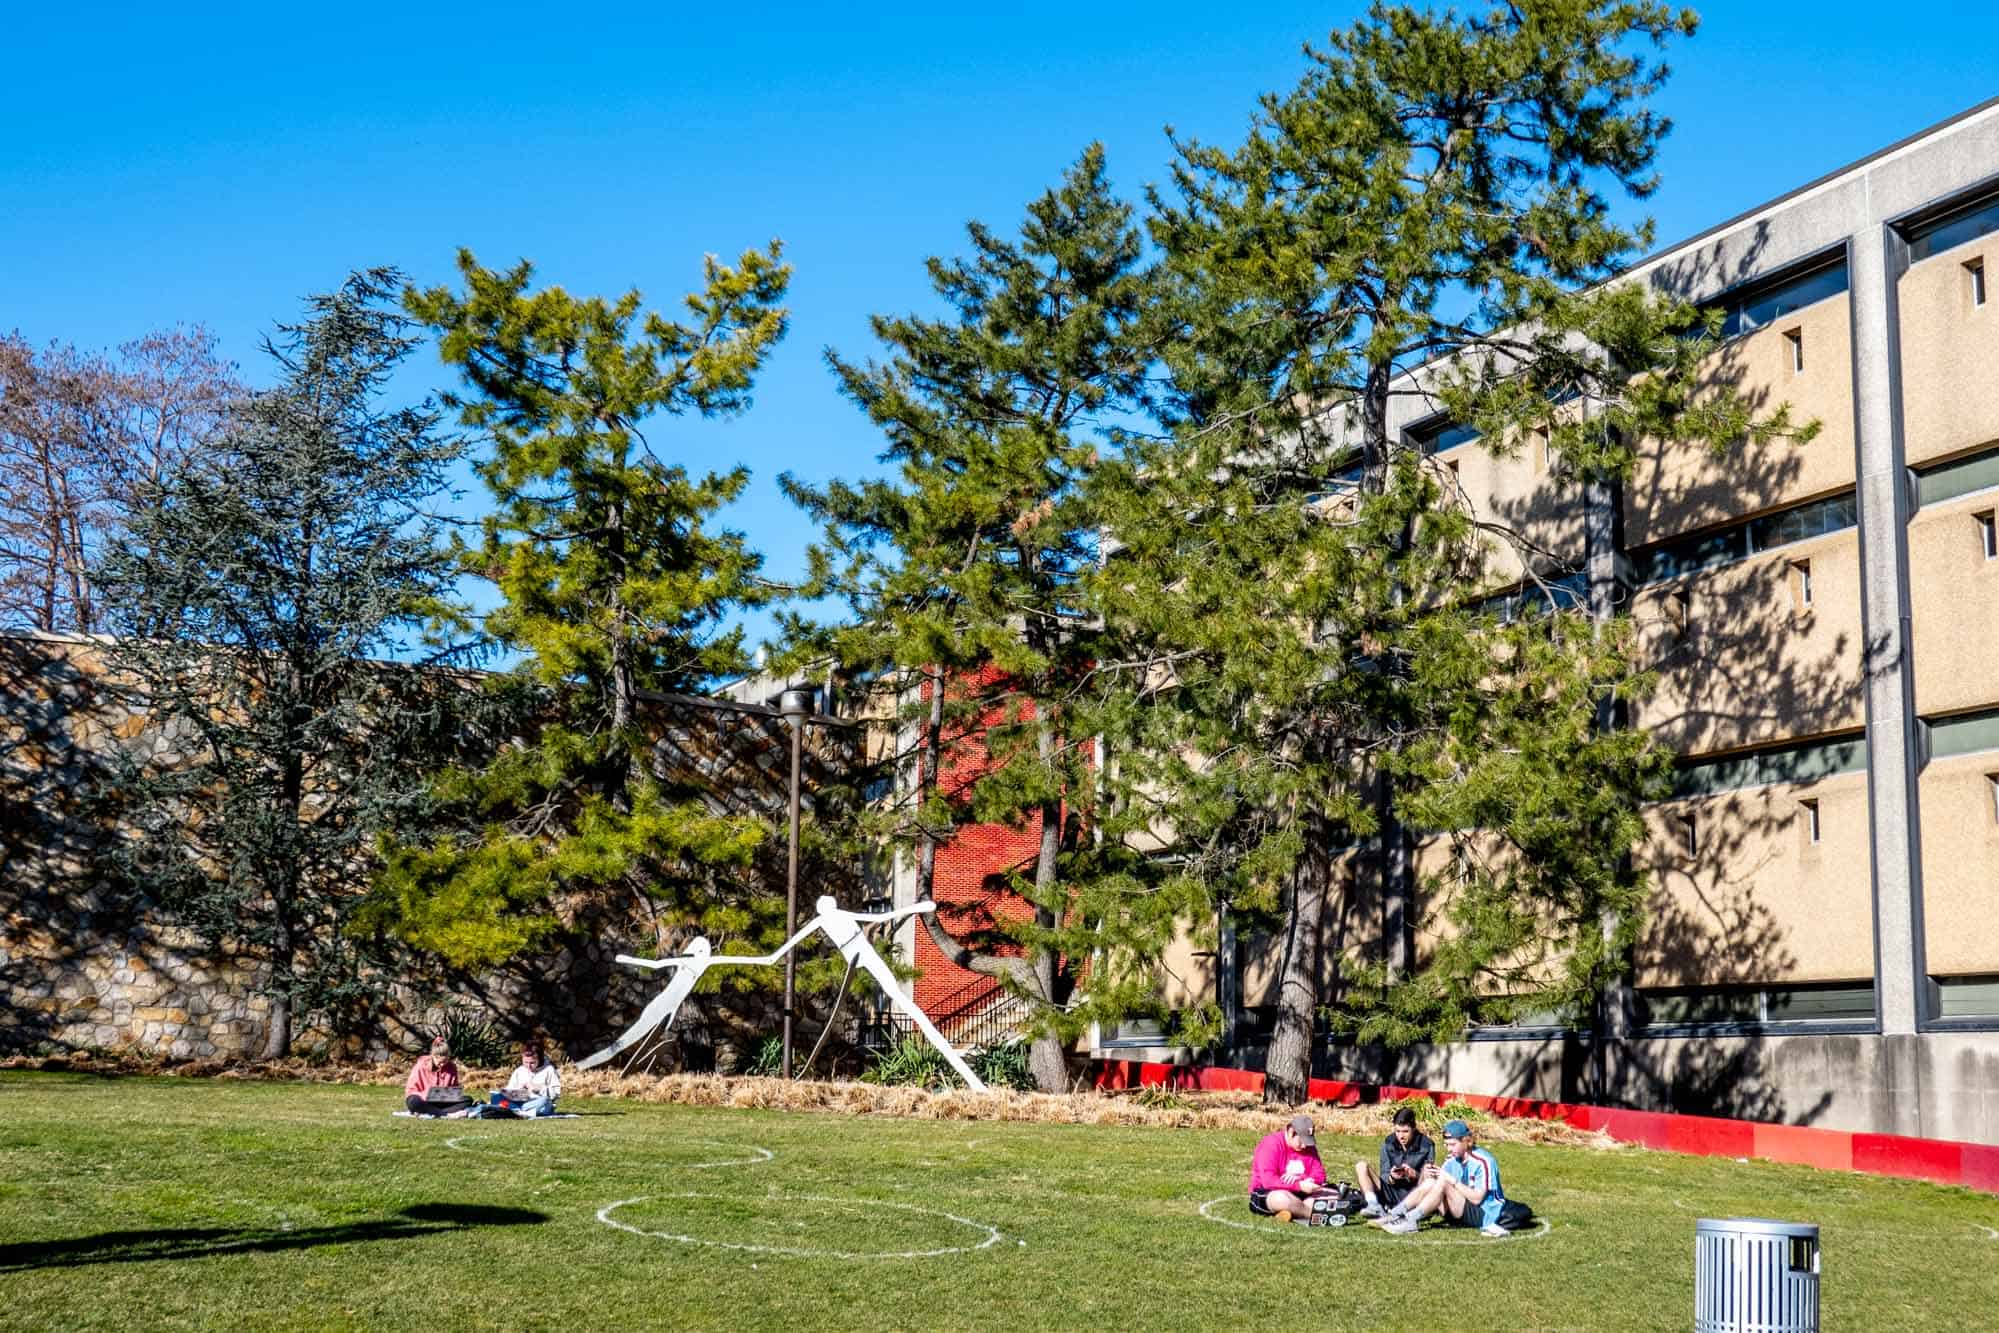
column 1464, row 1236
column 992, row 1233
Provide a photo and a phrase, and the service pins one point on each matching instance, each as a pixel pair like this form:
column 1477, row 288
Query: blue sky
column 179, row 163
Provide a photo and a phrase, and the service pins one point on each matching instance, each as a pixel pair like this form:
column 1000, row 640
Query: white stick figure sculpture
column 842, row 927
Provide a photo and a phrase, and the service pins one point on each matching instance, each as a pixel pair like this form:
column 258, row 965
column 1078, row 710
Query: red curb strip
column 1941, row 1161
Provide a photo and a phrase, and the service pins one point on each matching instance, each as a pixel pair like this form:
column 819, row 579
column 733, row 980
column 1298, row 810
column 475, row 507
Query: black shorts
column 1393, row 1192
column 1259, row 1203
column 1473, row 1215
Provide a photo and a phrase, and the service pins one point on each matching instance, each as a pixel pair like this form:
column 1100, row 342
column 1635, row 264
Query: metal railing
column 982, row 1022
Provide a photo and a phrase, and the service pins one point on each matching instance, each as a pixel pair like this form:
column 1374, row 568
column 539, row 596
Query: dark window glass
column 1755, row 307
column 1963, row 735
column 1658, row 1008
column 1437, row 434
column 1567, row 592
column 1805, row 521
column 1933, row 238
column 1821, row 1002
column 1947, row 481
column 1739, row 541
column 1808, row 762
column 1837, row 1002
column 1966, row 997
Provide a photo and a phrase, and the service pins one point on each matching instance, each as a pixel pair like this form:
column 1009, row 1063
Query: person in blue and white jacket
column 1464, row 1191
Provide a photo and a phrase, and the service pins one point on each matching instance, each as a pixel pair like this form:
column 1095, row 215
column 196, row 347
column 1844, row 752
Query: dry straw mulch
column 1149, row 1107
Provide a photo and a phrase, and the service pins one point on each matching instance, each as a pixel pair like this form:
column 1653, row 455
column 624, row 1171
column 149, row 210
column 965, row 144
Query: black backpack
column 1342, row 1199
column 1515, row 1215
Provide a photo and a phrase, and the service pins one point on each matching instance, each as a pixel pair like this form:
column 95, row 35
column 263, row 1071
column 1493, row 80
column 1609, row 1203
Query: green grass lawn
column 166, row 1203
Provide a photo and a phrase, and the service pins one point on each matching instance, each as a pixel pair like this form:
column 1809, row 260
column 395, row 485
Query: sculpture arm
column 710, row 960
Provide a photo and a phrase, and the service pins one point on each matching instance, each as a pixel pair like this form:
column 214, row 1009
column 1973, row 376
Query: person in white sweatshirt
column 537, row 1079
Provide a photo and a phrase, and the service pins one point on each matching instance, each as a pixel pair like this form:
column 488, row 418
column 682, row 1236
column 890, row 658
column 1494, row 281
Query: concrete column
column 1877, row 259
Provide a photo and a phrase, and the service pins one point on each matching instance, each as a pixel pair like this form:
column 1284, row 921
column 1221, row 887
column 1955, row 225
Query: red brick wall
column 969, row 886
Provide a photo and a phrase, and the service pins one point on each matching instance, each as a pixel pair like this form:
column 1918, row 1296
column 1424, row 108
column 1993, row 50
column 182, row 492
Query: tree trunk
column 278, row 1036
column 1288, row 1068
column 1047, row 1060
column 624, row 688
column 1614, row 1013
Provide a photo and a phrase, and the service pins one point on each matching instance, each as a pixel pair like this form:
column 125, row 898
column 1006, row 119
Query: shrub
column 1004, row 1065
column 911, row 1062
column 474, row 1041
column 770, row 1059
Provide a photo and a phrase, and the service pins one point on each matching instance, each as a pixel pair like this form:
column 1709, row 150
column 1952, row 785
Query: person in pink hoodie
column 436, row 1070
column 1286, row 1172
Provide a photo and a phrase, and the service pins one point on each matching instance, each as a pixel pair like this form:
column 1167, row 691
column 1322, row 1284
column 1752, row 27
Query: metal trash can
column 1752, row 1275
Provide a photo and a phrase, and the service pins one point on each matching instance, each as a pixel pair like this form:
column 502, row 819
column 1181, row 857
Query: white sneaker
column 1400, row 1226
column 1494, row 1230
column 1372, row 1210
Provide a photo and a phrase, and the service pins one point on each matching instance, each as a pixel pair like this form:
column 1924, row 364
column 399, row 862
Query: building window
column 1808, row 811
column 1794, row 344
column 1748, row 1006
column 1964, row 997
column 1738, row 541
column 1967, row 733
column 1980, row 218
column 1812, row 761
column 1961, row 476
column 1435, row 434
column 1801, row 585
column 1988, row 533
column 1992, row 795
column 1761, row 304
column 1688, row 830
column 1974, row 271
column 1680, row 611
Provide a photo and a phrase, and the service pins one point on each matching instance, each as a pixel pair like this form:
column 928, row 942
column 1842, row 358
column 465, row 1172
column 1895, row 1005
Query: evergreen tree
column 615, row 584
column 961, row 570
column 1432, row 191
column 249, row 589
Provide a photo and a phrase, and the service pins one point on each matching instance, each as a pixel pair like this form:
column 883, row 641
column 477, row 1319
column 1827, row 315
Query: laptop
column 446, row 1096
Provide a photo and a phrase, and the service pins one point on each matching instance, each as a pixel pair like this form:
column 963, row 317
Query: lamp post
column 795, row 706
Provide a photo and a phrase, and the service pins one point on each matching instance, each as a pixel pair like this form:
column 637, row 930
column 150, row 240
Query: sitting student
column 1286, row 1172
column 1404, row 1154
column 1465, row 1191
column 534, row 1086
column 430, row 1087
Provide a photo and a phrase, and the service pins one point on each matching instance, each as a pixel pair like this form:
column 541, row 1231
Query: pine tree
column 962, row 569
column 615, row 584
column 1431, row 192
column 249, row 589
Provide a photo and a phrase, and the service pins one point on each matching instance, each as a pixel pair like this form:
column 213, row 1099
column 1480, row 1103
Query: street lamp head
column 795, row 705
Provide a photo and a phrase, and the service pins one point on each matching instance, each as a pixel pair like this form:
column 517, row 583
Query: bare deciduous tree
column 78, row 432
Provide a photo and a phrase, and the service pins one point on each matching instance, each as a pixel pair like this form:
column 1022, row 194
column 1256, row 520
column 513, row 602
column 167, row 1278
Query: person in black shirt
column 1404, row 1154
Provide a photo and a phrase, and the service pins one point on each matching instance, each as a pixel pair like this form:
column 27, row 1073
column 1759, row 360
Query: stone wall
column 82, row 967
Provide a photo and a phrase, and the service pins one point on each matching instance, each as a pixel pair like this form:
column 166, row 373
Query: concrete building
column 1824, row 946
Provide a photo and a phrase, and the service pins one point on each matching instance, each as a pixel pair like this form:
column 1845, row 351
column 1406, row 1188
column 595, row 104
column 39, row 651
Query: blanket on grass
column 467, row 1115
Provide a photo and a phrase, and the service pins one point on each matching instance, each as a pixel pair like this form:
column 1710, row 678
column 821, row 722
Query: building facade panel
column 1761, row 650
column 1759, row 886
column 1954, row 603
column 1960, row 797
column 1802, row 358
column 1523, row 492
column 1950, row 351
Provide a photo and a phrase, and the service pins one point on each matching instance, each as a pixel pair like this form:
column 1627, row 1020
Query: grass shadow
column 149, row 1246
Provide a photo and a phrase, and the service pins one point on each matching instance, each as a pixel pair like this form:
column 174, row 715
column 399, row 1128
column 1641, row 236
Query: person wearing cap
column 435, row 1070
column 1404, row 1154
column 1464, row 1191
column 1286, row 1173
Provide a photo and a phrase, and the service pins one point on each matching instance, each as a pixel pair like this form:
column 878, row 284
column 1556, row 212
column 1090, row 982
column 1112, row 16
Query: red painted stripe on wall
column 1973, row 1165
